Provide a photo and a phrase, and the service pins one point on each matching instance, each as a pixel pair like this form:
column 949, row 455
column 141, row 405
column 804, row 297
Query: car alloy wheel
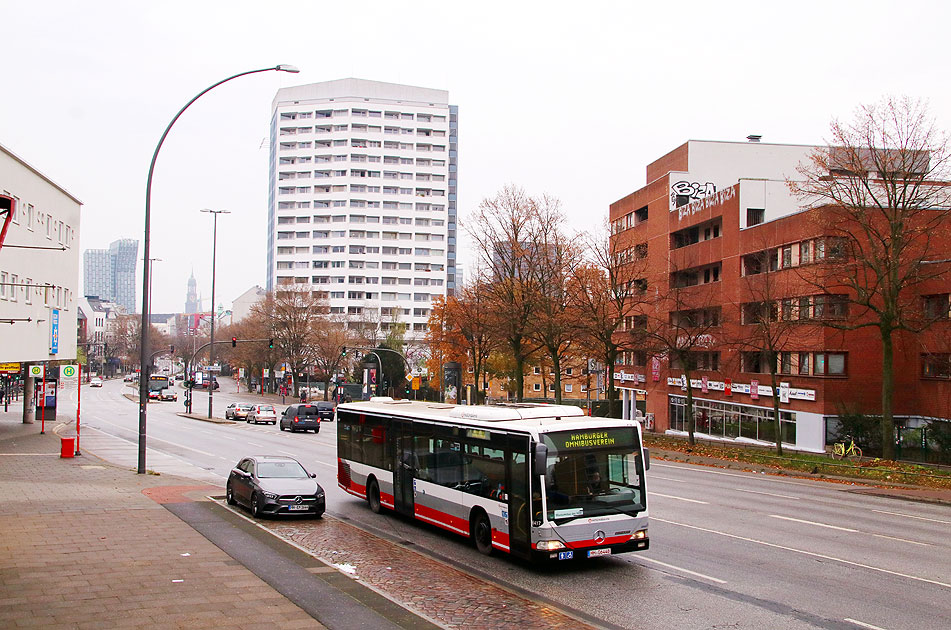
column 255, row 506
column 230, row 495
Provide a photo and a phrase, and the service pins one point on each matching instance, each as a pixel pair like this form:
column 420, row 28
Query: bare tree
column 330, row 337
column 553, row 328
column 882, row 190
column 505, row 230
column 681, row 323
column 291, row 317
column 606, row 291
column 774, row 321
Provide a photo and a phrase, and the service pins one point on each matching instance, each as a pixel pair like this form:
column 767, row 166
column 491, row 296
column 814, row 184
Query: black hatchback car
column 301, row 417
column 273, row 485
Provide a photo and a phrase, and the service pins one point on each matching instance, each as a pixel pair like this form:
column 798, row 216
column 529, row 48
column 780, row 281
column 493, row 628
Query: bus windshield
column 157, row 383
column 593, row 473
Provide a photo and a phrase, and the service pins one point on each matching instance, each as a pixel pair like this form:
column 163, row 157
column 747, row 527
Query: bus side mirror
column 541, row 458
column 647, row 459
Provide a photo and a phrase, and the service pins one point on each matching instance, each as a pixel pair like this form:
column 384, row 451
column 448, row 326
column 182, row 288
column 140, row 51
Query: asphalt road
column 728, row 549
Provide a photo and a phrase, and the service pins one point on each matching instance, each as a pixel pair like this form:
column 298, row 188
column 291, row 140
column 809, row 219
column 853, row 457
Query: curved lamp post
column 146, row 276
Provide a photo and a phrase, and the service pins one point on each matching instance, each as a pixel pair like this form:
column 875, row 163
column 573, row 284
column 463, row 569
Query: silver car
column 262, row 413
column 273, row 485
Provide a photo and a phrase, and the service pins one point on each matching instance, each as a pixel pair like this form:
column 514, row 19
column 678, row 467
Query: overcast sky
column 572, row 99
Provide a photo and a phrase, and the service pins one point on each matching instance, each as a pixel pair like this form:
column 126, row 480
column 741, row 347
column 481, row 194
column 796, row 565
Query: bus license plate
column 599, row 552
column 298, row 508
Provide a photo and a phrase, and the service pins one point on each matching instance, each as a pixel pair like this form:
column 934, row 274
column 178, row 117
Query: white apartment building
column 39, row 265
column 362, row 198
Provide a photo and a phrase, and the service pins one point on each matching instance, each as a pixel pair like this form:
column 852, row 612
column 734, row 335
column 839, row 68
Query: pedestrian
column 303, row 395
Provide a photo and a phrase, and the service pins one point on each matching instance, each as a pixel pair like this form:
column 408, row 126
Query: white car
column 168, row 394
column 262, row 413
column 95, row 381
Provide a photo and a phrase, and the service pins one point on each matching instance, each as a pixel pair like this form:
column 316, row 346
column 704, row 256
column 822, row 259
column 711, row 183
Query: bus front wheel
column 373, row 496
column 482, row 533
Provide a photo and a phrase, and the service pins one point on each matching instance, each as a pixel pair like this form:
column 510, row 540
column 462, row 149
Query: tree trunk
column 776, row 423
column 556, row 367
column 888, row 390
column 691, row 420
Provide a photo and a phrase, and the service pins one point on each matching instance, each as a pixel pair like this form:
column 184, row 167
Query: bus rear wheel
column 373, row 496
column 482, row 533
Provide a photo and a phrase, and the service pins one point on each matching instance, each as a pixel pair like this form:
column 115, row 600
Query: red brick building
column 717, row 218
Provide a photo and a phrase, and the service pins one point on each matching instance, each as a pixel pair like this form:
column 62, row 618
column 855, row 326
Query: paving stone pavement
column 451, row 598
column 81, row 547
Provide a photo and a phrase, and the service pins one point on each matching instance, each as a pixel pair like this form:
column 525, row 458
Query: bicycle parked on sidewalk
column 841, row 451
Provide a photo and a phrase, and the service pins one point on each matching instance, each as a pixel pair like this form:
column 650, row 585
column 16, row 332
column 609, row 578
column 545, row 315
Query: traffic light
column 343, row 351
column 270, row 343
column 234, row 342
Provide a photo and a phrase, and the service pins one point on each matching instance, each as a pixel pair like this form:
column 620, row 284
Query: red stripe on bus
column 441, row 519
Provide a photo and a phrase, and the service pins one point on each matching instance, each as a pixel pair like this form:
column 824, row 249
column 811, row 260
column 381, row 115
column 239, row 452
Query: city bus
column 537, row 481
column 158, row 382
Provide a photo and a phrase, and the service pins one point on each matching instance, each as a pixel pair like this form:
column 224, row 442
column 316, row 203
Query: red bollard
column 66, row 444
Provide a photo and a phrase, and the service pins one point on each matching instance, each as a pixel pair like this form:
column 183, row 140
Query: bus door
column 520, row 506
column 404, row 470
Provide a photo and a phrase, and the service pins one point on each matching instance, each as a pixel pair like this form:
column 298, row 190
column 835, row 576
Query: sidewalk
column 84, row 547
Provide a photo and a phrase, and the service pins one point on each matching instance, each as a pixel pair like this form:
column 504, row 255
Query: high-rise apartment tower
column 362, row 198
column 110, row 273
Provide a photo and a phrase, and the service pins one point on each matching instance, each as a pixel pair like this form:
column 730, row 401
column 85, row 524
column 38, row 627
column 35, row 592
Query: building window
column 936, row 365
column 536, row 370
column 937, row 306
column 755, row 216
column 536, row 387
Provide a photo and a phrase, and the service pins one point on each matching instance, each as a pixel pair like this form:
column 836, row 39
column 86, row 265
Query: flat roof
column 506, row 416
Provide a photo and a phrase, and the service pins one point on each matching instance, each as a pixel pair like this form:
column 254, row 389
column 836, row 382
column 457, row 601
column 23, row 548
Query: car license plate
column 599, row 552
column 300, row 508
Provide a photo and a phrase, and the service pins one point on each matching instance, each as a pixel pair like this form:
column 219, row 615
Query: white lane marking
column 726, row 474
column 769, row 494
column 799, row 520
column 151, row 437
column 255, row 443
column 670, row 496
column 863, row 624
column 920, row 518
column 668, row 479
column 847, row 529
column 682, row 570
column 287, row 453
column 805, row 553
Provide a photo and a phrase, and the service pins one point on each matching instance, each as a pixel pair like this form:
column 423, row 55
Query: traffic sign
column 69, row 371
column 416, row 381
column 37, row 371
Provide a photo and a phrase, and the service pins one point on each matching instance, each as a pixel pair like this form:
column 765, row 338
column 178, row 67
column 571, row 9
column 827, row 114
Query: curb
column 195, row 416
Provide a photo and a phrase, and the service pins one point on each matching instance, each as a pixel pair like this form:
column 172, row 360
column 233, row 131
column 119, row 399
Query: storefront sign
column 624, row 377
column 703, row 384
column 784, row 392
column 655, row 369
column 9, row 368
column 728, row 387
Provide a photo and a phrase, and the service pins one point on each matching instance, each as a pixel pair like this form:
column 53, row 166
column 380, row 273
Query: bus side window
column 423, row 448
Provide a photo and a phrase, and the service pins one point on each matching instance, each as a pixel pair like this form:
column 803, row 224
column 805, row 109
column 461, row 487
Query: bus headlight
column 640, row 534
column 549, row 545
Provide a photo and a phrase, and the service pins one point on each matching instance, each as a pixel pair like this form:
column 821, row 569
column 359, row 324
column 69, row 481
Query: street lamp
column 144, row 329
column 211, row 348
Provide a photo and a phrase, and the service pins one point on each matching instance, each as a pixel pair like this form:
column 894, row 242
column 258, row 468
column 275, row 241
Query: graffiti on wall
column 683, row 192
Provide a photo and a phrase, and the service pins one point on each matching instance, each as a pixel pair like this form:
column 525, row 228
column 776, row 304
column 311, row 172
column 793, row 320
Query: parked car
column 262, row 413
column 326, row 410
column 128, row 378
column 168, row 394
column 238, row 411
column 95, row 381
column 273, row 485
column 301, row 417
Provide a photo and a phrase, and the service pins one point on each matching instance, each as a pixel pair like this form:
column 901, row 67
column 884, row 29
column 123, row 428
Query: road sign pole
column 79, row 394
column 43, row 408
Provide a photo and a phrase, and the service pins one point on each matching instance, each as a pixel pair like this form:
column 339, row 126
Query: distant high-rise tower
column 362, row 199
column 191, row 298
column 110, row 273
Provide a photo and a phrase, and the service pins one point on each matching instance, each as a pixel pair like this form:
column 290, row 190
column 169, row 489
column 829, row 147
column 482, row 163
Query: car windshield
column 265, row 408
column 281, row 470
column 585, row 481
column 244, row 406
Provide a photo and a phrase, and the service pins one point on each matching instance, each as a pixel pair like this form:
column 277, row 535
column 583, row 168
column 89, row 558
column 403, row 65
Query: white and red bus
column 536, row 481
